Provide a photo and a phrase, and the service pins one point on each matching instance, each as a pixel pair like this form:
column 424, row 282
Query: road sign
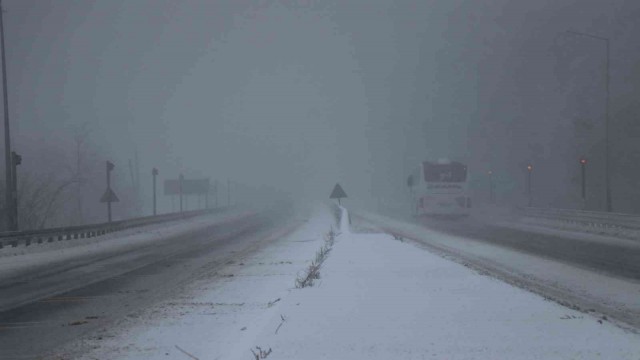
column 189, row 187
column 109, row 196
column 337, row 193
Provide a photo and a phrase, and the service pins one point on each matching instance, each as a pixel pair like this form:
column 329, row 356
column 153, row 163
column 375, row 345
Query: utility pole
column 154, row 172
column 607, row 180
column 9, row 186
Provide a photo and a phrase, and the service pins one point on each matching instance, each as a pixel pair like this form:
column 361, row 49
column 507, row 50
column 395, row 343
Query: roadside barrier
column 612, row 224
column 31, row 237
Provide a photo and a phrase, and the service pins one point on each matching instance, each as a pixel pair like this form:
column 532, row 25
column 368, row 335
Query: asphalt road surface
column 110, row 287
column 611, row 258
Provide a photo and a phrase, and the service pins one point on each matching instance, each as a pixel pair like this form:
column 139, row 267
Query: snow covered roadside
column 16, row 260
column 514, row 219
column 219, row 314
column 579, row 288
column 380, row 298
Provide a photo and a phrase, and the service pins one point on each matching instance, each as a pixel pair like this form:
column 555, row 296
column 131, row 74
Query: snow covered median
column 376, row 298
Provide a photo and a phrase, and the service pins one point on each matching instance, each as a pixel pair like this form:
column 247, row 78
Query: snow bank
column 567, row 283
column 379, row 298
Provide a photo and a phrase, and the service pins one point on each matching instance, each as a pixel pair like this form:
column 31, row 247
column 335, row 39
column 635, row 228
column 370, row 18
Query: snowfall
column 377, row 297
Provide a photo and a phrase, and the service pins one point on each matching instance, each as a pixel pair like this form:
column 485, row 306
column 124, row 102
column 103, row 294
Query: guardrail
column 27, row 238
column 617, row 224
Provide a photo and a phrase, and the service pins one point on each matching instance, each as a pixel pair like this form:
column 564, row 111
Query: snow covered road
column 82, row 288
column 376, row 298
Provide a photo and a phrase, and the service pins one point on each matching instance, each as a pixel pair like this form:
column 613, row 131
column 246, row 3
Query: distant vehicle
column 440, row 188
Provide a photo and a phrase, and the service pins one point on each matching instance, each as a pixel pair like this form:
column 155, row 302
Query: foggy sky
column 299, row 95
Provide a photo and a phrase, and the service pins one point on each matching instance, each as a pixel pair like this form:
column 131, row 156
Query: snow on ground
column 377, row 298
column 220, row 314
column 568, row 283
column 14, row 260
column 590, row 231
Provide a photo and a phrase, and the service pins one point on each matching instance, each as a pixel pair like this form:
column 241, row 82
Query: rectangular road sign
column 189, row 187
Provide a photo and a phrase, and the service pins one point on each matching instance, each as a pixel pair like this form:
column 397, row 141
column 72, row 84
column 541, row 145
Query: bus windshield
column 453, row 172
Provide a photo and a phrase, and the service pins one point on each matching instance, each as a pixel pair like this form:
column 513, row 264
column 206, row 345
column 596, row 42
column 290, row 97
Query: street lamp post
column 9, row 186
column 607, row 182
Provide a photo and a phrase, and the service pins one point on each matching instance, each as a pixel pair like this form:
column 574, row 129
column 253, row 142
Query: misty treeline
column 63, row 186
column 535, row 93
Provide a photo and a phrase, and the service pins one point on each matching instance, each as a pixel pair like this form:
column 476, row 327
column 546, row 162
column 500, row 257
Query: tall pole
column 606, row 138
column 228, row 192
column 9, row 194
column 154, row 172
column 607, row 180
column 583, row 172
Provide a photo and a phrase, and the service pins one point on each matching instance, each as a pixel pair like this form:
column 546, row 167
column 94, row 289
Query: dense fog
column 287, row 98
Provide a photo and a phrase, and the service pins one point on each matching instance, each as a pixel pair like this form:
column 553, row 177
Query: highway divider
column 31, row 237
column 614, row 224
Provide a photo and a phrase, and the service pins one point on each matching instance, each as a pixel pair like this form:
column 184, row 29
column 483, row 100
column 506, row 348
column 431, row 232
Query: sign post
column 109, row 196
column 337, row 193
column 185, row 187
column 583, row 164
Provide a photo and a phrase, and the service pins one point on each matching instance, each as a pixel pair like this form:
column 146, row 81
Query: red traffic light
column 583, row 161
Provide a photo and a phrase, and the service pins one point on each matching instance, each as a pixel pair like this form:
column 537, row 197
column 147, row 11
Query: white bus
column 439, row 188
